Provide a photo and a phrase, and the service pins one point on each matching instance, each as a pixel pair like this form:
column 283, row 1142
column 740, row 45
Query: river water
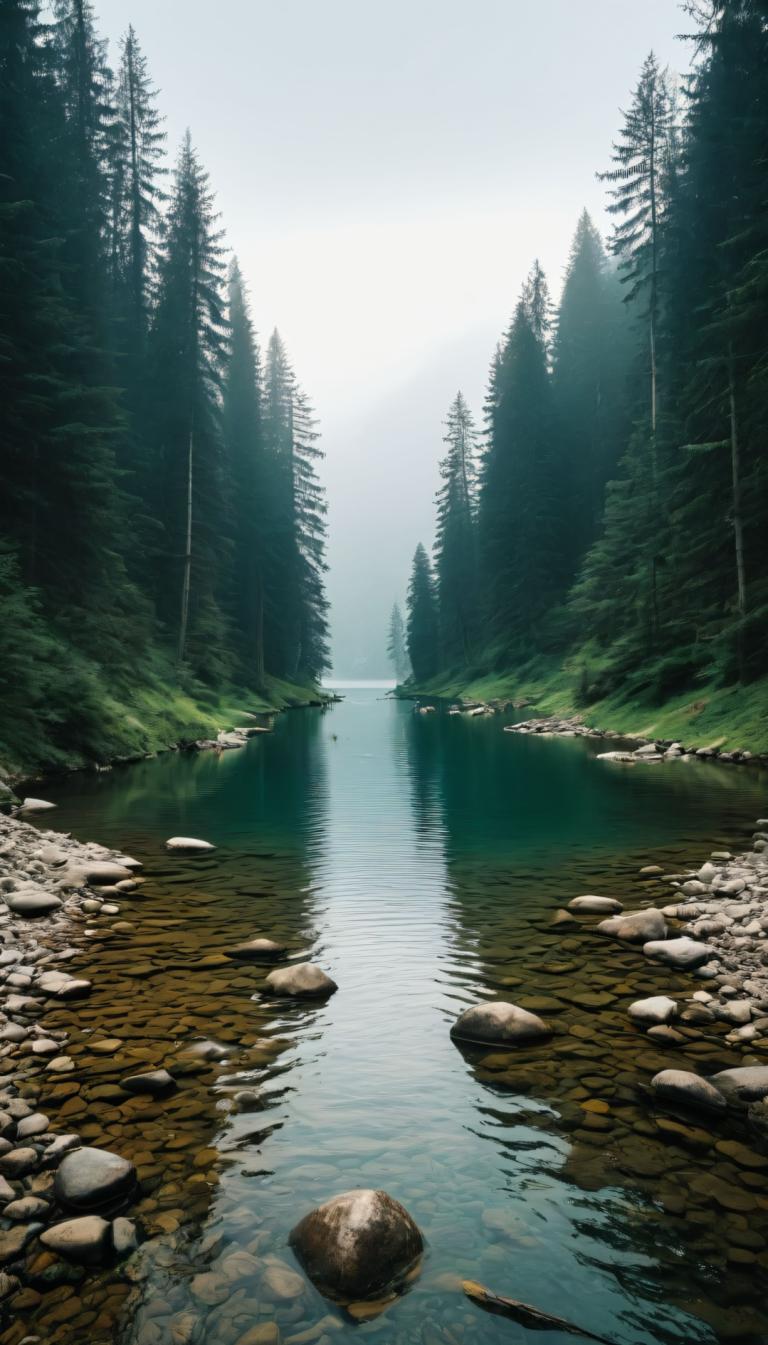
column 418, row 859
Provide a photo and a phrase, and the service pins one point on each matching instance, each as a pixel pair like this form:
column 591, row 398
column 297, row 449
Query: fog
column 386, row 174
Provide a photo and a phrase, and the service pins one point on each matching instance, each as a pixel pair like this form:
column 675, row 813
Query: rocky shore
column 59, row 1198
column 648, row 750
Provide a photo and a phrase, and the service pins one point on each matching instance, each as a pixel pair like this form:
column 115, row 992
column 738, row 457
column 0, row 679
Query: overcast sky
column 386, row 173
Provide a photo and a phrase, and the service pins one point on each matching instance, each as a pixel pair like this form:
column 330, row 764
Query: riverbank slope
column 732, row 717
column 117, row 720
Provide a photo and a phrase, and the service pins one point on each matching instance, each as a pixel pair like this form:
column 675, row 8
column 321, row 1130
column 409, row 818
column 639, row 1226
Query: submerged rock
column 357, row 1246
column 303, row 981
column 89, row 1178
column 155, row 1082
column 686, row 1089
column 638, row 927
column 256, row 949
column 591, row 905
column 188, row 843
column 500, row 1023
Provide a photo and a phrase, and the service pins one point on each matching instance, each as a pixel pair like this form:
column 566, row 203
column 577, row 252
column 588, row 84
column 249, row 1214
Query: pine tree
column 188, row 347
column 136, row 144
column 456, row 554
column 246, row 473
column 396, row 647
column 297, row 628
column 422, row 621
column 590, row 370
column 520, row 492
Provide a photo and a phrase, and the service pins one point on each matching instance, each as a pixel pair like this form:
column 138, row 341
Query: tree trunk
column 187, row 579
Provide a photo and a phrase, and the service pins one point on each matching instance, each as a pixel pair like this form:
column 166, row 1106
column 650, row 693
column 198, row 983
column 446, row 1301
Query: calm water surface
column 419, row 860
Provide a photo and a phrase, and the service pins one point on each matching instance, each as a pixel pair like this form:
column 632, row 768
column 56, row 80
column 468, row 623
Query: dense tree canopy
column 623, row 495
column 142, row 503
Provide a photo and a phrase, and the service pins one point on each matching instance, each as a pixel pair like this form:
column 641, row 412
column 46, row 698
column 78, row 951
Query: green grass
column 115, row 721
column 729, row 717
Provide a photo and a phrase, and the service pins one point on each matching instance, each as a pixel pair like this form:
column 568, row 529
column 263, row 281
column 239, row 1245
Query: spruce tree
column 188, row 347
column 245, row 465
column 456, row 554
column 422, row 618
column 396, row 647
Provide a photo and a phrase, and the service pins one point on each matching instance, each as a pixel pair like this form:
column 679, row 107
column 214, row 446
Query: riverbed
column 418, row 859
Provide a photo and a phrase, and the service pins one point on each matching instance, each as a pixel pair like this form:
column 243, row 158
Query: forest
column 601, row 534
column 162, row 524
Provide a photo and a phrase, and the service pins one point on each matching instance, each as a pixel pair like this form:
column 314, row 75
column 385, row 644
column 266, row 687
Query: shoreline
column 59, row 1197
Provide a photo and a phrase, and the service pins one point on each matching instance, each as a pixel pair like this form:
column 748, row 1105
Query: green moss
column 112, row 720
column 730, row 717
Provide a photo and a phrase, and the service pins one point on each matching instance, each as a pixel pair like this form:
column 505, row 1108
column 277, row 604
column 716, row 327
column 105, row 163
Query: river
column 419, row 860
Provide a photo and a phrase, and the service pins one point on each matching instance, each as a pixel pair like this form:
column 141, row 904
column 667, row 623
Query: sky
column 386, row 174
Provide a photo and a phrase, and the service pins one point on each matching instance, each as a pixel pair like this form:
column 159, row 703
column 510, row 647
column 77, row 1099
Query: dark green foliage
column 422, row 623
column 624, row 500
column 456, row 546
column 136, row 506
column 396, row 646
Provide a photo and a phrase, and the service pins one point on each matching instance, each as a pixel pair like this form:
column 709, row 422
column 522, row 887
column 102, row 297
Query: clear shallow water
column 419, row 860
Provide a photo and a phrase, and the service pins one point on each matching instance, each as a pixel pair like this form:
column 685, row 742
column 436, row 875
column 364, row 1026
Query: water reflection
column 417, row 859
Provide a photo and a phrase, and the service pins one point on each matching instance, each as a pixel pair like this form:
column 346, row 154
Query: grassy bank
column 730, row 717
column 114, row 720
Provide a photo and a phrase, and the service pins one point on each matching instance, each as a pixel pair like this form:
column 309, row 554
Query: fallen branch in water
column 528, row 1316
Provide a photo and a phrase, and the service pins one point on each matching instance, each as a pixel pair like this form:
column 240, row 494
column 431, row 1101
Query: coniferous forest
column 161, row 519
column 604, row 531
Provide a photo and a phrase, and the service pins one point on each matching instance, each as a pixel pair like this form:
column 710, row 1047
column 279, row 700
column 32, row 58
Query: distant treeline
column 158, row 496
column 615, row 506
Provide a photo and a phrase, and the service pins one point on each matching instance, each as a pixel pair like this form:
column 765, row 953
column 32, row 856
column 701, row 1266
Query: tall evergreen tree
column 456, row 554
column 519, row 501
column 246, row 472
column 590, row 373
column 422, row 621
column 187, row 355
column 396, row 647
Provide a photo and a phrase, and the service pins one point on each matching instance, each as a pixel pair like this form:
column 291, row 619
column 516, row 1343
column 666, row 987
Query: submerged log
column 533, row 1318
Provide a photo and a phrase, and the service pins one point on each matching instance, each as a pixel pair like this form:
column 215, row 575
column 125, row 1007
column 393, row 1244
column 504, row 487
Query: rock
column 707, row 873
column 89, row 1178
column 651, row 870
column 124, row 1236
column 638, row 927
column 687, row 1090
column 86, row 1240
column 256, row 949
column 280, row 1284
column 32, row 901
column 357, row 1246
column 682, row 952
column 101, row 872
column 650, row 1012
column 305, row 980
column 267, row 1333
column 36, row 1124
column 746, row 1083
column 595, row 905
column 34, row 806
column 498, row 1022
column 156, row 1083
column 25, row 1209
column 18, row 1162
column 13, row 1241
column 736, row 1011
column 188, row 843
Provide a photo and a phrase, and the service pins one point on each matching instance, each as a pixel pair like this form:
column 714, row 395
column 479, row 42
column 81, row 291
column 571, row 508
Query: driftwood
column 524, row 1313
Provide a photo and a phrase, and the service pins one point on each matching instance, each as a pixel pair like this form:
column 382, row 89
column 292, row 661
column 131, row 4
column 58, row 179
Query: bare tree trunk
column 187, row 580
column 738, row 522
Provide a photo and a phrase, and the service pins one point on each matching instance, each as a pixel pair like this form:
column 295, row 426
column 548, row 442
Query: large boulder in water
column 499, row 1024
column 358, row 1245
column 304, row 981
column 745, row 1084
column 685, row 1089
column 189, row 845
column 682, row 952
